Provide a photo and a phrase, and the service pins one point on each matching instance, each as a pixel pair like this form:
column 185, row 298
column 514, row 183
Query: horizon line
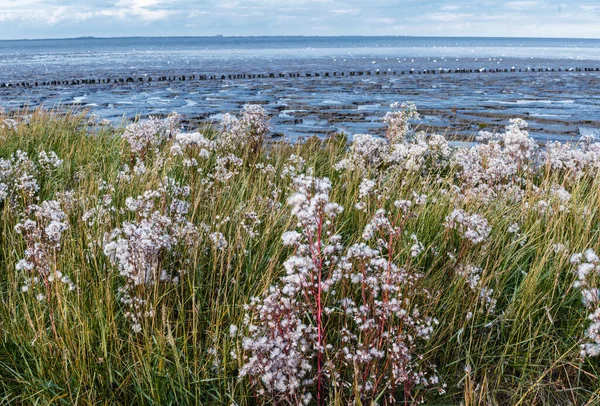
column 219, row 36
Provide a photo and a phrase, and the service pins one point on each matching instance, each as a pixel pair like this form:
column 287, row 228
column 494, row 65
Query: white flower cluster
column 485, row 171
column 515, row 230
column 49, row 161
column 250, row 222
column 502, row 165
column 365, row 188
column 286, row 350
column 193, row 146
column 293, row 167
column 366, row 151
column 138, row 248
column 402, row 148
column 550, row 199
column 281, row 341
column 472, row 275
column 380, row 223
column 42, row 233
column 588, row 282
column 496, row 167
column 398, row 120
column 472, row 227
column 218, row 240
column 517, row 142
column 281, row 348
column 412, row 154
column 98, row 212
column 249, row 131
column 226, row 167
column 9, row 124
column 560, row 195
column 575, row 161
column 147, row 135
column 19, row 174
column 382, row 329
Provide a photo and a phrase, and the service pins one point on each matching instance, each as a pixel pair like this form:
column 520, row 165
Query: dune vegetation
column 153, row 265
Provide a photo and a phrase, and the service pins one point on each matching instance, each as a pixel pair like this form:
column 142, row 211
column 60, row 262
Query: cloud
column 344, row 11
column 450, row 17
column 589, row 7
column 146, row 10
column 450, row 7
column 52, row 18
column 384, row 20
column 522, row 5
column 57, row 12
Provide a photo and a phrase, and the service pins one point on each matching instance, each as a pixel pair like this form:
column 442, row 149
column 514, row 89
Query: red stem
column 320, row 394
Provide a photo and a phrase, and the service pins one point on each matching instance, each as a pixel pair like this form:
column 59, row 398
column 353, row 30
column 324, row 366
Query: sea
column 315, row 85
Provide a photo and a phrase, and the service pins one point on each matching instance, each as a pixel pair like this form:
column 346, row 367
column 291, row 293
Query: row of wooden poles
column 183, row 78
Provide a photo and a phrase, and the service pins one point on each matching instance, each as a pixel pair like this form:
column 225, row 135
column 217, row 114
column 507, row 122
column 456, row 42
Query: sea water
column 558, row 105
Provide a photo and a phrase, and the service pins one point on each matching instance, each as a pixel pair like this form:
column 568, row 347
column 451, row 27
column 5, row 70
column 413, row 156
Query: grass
column 527, row 352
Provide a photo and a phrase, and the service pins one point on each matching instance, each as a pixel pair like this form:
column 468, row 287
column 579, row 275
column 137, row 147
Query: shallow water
column 558, row 105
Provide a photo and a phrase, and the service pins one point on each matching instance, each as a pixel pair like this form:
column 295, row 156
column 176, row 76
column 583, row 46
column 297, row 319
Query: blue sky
column 109, row 18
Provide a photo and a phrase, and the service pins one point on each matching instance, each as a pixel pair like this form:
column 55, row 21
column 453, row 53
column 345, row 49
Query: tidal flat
column 461, row 85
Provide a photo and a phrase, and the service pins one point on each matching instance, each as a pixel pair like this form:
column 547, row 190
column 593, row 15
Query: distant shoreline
column 220, row 36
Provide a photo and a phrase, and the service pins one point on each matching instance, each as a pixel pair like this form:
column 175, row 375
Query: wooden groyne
column 249, row 76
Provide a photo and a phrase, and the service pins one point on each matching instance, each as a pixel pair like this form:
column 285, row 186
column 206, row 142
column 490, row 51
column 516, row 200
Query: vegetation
column 152, row 266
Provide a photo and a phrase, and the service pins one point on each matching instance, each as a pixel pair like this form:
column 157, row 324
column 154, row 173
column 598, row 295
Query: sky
column 116, row 18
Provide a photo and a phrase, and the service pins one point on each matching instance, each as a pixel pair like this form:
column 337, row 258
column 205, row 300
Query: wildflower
column 194, row 146
column 365, row 188
column 42, row 234
column 248, row 131
column 9, row 124
column 282, row 344
column 137, row 247
column 366, row 151
column 416, row 248
column 291, row 238
column 398, row 121
column 284, row 339
column 49, row 161
column 558, row 248
column 218, row 240
column 587, row 282
column 472, row 227
column 294, row 166
column 18, row 175
column 147, row 135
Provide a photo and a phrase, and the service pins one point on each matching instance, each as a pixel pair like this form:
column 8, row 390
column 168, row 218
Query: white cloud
column 522, row 5
column 450, row 7
column 147, row 10
column 450, row 17
column 54, row 12
column 344, row 11
column 197, row 13
column 64, row 13
column 384, row 20
column 50, row 18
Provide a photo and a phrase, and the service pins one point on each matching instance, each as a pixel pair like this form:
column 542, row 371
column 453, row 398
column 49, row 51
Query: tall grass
column 525, row 351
